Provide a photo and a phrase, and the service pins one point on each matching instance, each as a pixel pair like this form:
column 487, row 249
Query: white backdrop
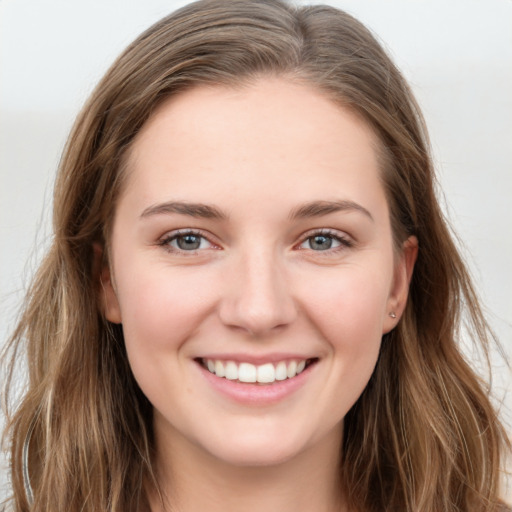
column 457, row 56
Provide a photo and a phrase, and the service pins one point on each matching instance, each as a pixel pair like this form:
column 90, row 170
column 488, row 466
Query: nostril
column 257, row 320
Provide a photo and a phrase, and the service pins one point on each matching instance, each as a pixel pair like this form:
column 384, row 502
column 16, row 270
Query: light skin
column 253, row 227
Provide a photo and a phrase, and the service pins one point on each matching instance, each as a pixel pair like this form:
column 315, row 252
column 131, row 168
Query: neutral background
column 457, row 56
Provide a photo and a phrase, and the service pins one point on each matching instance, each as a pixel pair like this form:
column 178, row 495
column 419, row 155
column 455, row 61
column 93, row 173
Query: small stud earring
column 392, row 314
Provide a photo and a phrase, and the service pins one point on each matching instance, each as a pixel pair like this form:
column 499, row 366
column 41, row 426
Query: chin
column 246, row 457
column 257, row 449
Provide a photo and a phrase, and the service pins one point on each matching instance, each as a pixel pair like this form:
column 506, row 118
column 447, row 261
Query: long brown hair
column 423, row 435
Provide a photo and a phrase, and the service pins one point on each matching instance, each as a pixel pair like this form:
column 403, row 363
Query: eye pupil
column 188, row 242
column 320, row 242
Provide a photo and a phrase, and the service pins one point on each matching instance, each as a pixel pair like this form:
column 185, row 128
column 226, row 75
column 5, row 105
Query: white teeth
column 231, row 370
column 219, row 369
column 281, row 371
column 247, row 372
column 292, row 369
column 266, row 373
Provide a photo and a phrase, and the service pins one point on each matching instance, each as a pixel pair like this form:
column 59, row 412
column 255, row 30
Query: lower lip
column 257, row 394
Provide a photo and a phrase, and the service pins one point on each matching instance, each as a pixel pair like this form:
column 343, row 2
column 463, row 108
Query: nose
column 257, row 298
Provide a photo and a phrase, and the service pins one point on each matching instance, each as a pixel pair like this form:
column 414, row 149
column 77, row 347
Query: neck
column 191, row 480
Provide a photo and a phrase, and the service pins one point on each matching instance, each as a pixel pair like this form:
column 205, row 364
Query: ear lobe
column 106, row 292
column 402, row 279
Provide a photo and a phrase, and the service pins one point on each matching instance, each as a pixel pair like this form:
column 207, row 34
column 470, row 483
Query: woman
column 252, row 299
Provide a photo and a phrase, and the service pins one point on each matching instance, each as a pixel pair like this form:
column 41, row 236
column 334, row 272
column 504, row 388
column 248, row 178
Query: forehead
column 267, row 134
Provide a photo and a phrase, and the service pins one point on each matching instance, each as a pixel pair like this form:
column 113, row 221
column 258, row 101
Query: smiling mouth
column 248, row 373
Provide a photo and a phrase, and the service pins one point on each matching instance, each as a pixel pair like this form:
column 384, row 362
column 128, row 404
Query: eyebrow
column 205, row 211
column 320, row 208
column 199, row 210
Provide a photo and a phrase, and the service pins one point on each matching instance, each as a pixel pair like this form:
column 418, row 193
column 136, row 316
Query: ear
column 397, row 299
column 106, row 291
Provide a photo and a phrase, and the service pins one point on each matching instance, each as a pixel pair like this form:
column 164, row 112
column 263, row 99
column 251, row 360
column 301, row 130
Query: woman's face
column 253, row 269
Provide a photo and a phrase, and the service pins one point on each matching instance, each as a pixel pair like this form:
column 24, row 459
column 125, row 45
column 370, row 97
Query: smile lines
column 264, row 374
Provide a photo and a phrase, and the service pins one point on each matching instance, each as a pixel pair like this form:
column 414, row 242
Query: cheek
column 160, row 308
column 349, row 306
column 350, row 316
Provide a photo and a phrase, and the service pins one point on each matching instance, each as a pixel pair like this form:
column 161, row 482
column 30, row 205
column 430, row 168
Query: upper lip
column 258, row 359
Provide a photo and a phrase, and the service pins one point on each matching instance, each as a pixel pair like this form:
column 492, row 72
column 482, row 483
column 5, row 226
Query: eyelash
column 344, row 241
column 166, row 241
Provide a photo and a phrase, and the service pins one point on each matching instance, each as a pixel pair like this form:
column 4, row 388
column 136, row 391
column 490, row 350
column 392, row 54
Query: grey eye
column 320, row 242
column 188, row 242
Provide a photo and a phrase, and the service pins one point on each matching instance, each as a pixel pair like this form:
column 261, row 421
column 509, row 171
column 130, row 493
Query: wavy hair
column 422, row 437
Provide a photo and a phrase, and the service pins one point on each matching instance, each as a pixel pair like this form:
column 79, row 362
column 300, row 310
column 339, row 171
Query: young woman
column 252, row 299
